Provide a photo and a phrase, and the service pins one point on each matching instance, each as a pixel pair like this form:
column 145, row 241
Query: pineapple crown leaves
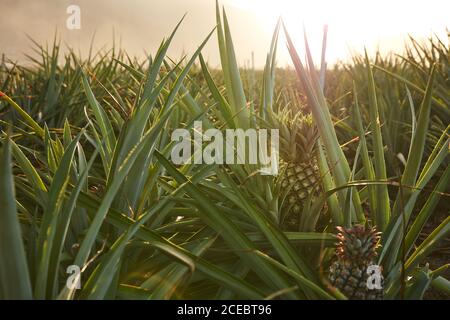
column 298, row 134
column 357, row 242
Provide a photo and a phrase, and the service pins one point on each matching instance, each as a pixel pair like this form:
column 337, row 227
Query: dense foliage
column 86, row 177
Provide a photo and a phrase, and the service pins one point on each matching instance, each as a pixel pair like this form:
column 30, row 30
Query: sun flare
column 352, row 25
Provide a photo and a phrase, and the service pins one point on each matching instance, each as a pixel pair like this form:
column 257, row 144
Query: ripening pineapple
column 299, row 173
column 355, row 252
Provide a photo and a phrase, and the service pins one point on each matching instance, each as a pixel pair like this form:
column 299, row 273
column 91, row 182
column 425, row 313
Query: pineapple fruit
column 299, row 173
column 355, row 252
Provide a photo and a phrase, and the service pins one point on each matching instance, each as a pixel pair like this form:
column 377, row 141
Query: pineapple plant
column 355, row 252
column 101, row 192
column 299, row 172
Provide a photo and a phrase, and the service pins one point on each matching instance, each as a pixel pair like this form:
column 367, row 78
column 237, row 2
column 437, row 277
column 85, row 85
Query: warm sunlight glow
column 353, row 24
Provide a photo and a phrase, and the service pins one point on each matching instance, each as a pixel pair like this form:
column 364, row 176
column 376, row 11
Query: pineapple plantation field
column 92, row 205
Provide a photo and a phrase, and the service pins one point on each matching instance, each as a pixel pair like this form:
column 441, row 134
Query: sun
column 353, row 24
column 309, row 16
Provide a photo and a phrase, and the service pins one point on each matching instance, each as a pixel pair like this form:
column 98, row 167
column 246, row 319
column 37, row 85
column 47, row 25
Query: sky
column 140, row 25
